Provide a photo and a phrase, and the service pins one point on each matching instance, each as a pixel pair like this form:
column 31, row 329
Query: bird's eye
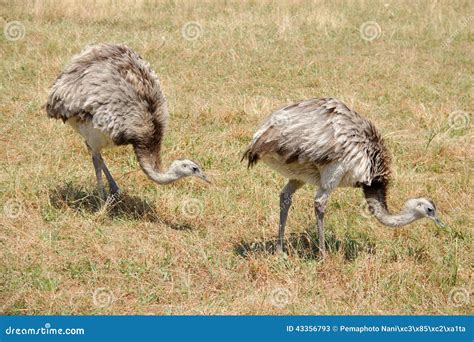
column 430, row 210
column 194, row 169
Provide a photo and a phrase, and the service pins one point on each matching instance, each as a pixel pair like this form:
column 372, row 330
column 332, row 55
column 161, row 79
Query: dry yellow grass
column 61, row 253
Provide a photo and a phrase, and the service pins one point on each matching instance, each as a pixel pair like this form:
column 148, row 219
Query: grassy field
column 190, row 248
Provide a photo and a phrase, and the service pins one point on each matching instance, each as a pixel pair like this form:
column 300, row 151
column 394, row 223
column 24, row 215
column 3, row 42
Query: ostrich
column 112, row 97
column 321, row 141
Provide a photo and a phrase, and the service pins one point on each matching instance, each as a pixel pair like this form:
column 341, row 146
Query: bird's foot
column 280, row 250
column 323, row 253
column 102, row 193
column 113, row 197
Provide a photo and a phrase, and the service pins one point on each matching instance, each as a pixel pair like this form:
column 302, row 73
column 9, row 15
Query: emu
column 321, row 141
column 112, row 97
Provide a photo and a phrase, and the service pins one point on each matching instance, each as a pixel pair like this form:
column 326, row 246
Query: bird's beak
column 204, row 178
column 439, row 223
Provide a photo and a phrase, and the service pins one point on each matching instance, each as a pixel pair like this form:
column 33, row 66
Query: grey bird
column 112, row 97
column 321, row 141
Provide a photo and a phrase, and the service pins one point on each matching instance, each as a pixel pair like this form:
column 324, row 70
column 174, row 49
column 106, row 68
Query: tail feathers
column 251, row 157
column 56, row 109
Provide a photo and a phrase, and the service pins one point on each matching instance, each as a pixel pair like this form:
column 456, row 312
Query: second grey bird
column 112, row 97
column 321, row 141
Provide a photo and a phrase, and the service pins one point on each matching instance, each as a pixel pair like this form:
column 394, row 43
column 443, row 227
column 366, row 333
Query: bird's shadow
column 121, row 206
column 305, row 245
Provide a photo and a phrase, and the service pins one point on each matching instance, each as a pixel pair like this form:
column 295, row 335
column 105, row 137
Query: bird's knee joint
column 285, row 198
column 320, row 206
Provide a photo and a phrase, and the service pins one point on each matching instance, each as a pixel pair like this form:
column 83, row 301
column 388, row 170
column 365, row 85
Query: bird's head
column 188, row 168
column 424, row 207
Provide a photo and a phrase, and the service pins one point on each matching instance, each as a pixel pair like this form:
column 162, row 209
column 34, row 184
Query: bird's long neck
column 375, row 195
column 150, row 162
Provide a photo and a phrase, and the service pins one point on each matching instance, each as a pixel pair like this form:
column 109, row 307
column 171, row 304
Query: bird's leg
column 286, row 195
column 319, row 207
column 329, row 180
column 114, row 189
column 96, row 160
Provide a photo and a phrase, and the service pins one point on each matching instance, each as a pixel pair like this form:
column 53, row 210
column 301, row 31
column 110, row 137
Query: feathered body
column 321, row 141
column 303, row 139
column 111, row 96
column 112, row 89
